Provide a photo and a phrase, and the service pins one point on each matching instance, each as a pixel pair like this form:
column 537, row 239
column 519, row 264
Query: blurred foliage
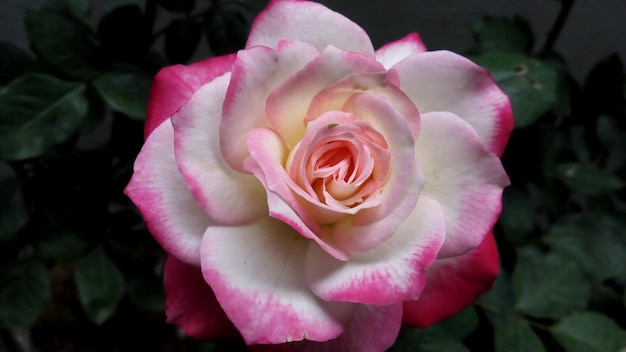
column 79, row 271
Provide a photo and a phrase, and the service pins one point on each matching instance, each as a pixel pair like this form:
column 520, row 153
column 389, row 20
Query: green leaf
column 518, row 216
column 24, row 292
column 181, row 39
column 503, row 35
column 79, row 10
column 126, row 89
column 65, row 45
column 100, row 285
column 530, row 84
column 462, row 324
column 226, row 31
column 145, row 289
column 14, row 63
column 59, row 244
column 595, row 242
column 37, row 112
column 13, row 211
column 512, row 334
column 551, row 286
column 589, row 332
column 428, row 340
column 587, row 179
column 612, row 136
column 183, row 6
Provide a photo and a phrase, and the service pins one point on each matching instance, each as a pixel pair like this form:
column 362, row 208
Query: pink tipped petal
column 255, row 73
column 444, row 81
column 191, row 303
column 307, row 22
column 174, row 85
column 372, row 329
column 372, row 226
column 267, row 157
column 453, row 284
column 391, row 53
column 288, row 103
column 463, row 176
column 257, row 274
column 391, row 272
column 167, row 206
column 228, row 196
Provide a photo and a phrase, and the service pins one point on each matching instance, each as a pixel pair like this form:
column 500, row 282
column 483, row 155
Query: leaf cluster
column 78, row 269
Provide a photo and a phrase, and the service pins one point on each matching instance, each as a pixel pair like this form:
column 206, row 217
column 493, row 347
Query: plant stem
column 566, row 7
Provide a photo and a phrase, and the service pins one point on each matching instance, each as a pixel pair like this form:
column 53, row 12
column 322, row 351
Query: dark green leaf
column 587, row 179
column 529, row 83
column 14, row 63
column 126, row 89
column 512, row 334
column 24, row 292
column 184, row 6
column 36, row 113
column 100, row 285
column 79, row 10
column 549, row 287
column 58, row 243
column 612, row 137
column 594, row 241
column 578, row 143
column 145, row 288
column 565, row 84
column 181, row 39
column 518, row 217
column 589, row 332
column 65, row 45
column 428, row 340
column 226, row 31
column 503, row 35
column 462, row 324
column 13, row 211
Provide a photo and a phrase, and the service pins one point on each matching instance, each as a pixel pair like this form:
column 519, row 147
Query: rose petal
column 393, row 52
column 308, row 22
column 391, row 272
column 370, row 227
column 290, row 101
column 268, row 154
column 463, row 176
column 444, row 81
column 372, row 329
column 191, row 303
column 228, row 196
column 174, row 85
column 255, row 73
column 167, row 206
column 257, row 274
column 453, row 284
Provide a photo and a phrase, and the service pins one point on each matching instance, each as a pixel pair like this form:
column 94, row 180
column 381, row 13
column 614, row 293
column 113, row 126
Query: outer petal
column 453, row 284
column 392, row 272
column 191, row 303
column 372, row 329
column 255, row 73
column 159, row 191
column 444, row 81
column 463, row 176
column 391, row 53
column 307, row 22
column 257, row 274
column 291, row 100
column 228, row 196
column 174, row 85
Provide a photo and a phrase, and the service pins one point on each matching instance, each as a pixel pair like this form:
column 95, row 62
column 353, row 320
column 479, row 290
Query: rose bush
column 310, row 189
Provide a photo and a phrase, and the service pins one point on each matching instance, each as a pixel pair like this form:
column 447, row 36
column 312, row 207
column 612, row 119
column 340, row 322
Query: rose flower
column 315, row 193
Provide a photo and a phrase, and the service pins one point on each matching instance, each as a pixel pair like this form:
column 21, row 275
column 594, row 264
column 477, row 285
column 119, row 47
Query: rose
column 311, row 189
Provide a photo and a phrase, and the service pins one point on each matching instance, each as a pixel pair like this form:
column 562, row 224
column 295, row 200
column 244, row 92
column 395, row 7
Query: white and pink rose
column 315, row 193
